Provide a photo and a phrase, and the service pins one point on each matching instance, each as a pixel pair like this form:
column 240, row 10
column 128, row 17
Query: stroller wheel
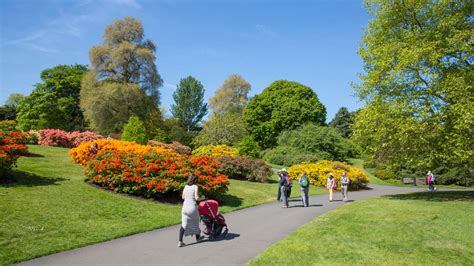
column 224, row 234
column 211, row 237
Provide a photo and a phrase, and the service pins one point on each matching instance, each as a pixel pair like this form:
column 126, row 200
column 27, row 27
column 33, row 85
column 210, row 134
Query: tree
column 189, row 106
column 284, row 105
column 134, row 130
column 342, row 122
column 14, row 99
column 123, row 80
column 418, row 85
column 231, row 96
column 54, row 103
column 227, row 128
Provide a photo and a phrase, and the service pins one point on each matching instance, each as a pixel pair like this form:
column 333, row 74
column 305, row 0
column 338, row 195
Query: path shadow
column 17, row 178
column 310, row 206
column 436, row 196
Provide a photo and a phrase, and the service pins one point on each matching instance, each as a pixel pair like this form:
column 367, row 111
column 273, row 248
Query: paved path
column 251, row 231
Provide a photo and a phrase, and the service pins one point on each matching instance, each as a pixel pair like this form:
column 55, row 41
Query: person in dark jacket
column 285, row 182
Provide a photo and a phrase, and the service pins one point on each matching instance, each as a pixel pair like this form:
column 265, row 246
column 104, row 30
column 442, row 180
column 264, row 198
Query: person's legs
column 284, row 196
column 279, row 192
column 181, row 234
column 330, row 194
column 304, row 194
column 303, row 198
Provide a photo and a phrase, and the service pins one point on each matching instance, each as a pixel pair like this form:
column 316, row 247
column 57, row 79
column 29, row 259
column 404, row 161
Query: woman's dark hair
column 192, row 179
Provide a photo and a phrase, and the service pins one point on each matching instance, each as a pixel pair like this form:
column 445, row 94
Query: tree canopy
column 284, row 105
column 342, row 122
column 418, row 84
column 189, row 107
column 231, row 96
column 123, row 80
column 54, row 103
column 227, row 128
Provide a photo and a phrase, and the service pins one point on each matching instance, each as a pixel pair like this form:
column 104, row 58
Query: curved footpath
column 251, row 231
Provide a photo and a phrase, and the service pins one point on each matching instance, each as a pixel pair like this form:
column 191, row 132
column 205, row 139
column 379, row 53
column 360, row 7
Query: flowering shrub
column 8, row 125
column 154, row 174
column 10, row 150
column 215, row 151
column 60, row 138
column 180, row 148
column 238, row 167
column 318, row 173
column 33, row 136
column 76, row 137
column 83, row 153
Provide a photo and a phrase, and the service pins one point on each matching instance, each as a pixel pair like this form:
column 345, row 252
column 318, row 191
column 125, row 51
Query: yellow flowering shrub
column 215, row 151
column 83, row 153
column 319, row 172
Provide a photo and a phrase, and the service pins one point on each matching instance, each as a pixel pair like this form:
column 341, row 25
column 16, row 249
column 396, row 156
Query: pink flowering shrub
column 60, row 138
column 76, row 137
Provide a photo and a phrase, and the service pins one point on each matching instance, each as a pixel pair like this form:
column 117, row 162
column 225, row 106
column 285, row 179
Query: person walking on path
column 280, row 176
column 304, row 185
column 430, row 179
column 285, row 182
column 344, row 185
column 330, row 185
column 189, row 212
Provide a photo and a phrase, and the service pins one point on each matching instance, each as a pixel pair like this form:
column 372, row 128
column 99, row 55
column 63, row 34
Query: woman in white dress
column 189, row 212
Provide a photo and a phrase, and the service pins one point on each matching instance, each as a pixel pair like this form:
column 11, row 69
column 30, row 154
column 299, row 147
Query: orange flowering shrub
column 319, row 172
column 11, row 148
column 83, row 153
column 215, row 151
column 144, row 170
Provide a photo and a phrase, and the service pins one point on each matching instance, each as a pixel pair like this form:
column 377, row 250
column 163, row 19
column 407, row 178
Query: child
column 330, row 185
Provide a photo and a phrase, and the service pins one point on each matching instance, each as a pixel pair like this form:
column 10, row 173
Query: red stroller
column 212, row 219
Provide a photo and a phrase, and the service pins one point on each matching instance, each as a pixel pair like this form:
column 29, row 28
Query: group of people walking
column 286, row 183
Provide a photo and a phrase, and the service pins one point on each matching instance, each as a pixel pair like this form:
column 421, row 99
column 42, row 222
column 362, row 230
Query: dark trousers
column 279, row 192
column 431, row 185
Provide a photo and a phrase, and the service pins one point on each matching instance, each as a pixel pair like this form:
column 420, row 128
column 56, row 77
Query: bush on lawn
column 248, row 147
column 60, row 138
column 10, row 150
column 154, row 174
column 180, row 148
column 215, row 151
column 243, row 168
column 134, row 130
column 384, row 173
column 32, row 137
column 318, row 173
column 76, row 138
column 8, row 125
column 285, row 155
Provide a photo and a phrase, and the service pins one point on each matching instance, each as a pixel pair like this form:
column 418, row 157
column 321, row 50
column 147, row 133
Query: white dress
column 189, row 212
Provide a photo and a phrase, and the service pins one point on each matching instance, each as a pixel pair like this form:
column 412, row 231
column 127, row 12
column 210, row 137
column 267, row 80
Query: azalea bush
column 215, row 151
column 11, row 149
column 33, row 137
column 61, row 138
column 319, row 172
column 180, row 148
column 244, row 168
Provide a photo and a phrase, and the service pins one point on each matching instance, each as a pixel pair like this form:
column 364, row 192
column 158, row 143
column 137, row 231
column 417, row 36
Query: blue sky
column 311, row 42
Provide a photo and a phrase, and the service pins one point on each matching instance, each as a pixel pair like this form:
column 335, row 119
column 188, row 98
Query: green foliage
column 284, row 105
column 244, row 168
column 189, row 107
column 286, row 155
column 418, row 85
column 384, row 173
column 55, row 102
column 226, row 128
column 123, row 80
column 248, row 147
column 14, row 99
column 231, row 96
column 7, row 112
column 171, row 130
column 134, row 130
column 342, row 122
column 7, row 125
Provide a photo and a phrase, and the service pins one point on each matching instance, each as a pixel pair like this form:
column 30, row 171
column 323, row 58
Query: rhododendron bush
column 11, row 149
column 244, row 168
column 215, row 151
column 180, row 148
column 144, row 170
column 319, row 172
column 60, row 138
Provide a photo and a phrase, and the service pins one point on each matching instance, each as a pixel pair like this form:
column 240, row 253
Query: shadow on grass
column 18, row 178
column 436, row 196
column 34, row 155
column 230, row 200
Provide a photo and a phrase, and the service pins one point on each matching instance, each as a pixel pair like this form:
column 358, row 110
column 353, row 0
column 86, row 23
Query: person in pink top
column 331, row 185
column 430, row 180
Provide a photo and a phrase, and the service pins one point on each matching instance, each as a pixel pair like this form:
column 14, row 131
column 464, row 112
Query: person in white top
column 189, row 212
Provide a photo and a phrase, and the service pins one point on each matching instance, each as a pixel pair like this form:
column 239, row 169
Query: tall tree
column 342, row 122
column 227, row 128
column 189, row 107
column 284, row 105
column 418, row 84
column 54, row 103
column 231, row 96
column 123, row 80
column 14, row 99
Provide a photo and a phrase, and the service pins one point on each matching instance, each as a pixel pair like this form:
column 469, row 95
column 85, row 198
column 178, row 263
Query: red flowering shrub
column 154, row 174
column 11, row 149
column 180, row 148
column 60, row 138
column 237, row 167
column 76, row 137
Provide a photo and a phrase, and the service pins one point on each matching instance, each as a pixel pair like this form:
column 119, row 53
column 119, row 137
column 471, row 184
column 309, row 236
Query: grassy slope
column 52, row 209
column 420, row 228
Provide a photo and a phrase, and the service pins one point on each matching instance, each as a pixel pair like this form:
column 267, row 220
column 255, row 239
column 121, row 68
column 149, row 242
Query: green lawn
column 421, row 228
column 50, row 208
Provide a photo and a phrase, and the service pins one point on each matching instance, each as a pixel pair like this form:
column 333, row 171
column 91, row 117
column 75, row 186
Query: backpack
column 288, row 180
column 304, row 181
